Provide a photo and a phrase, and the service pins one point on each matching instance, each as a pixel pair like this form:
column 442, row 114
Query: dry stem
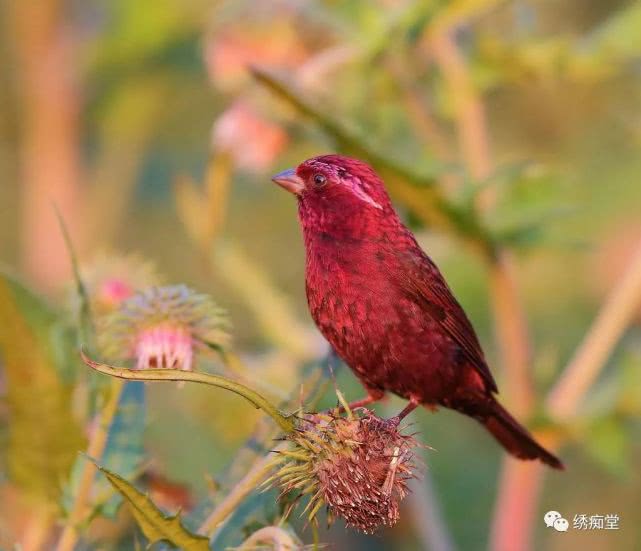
column 520, row 486
column 512, row 335
column 279, row 539
column 510, row 320
column 95, row 449
column 245, row 486
column 597, row 345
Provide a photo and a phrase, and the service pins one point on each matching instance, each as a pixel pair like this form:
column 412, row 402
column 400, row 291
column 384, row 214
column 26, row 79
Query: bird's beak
column 289, row 180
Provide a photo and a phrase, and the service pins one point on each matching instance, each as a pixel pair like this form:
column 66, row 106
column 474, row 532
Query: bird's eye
column 319, row 180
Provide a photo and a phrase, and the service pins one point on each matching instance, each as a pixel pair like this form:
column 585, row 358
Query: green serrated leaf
column 44, row 437
column 154, row 524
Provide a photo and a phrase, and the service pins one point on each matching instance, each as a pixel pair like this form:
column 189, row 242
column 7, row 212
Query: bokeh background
column 142, row 122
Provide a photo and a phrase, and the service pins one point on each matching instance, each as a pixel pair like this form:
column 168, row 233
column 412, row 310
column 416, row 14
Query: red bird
column 384, row 306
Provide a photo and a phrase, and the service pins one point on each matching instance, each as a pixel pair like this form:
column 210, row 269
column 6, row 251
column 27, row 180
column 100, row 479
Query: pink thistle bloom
column 163, row 328
column 164, row 346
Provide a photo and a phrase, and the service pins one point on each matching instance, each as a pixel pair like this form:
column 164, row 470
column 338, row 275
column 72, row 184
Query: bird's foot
column 372, row 397
column 395, row 421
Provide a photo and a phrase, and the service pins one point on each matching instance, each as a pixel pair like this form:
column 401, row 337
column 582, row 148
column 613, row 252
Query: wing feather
column 422, row 281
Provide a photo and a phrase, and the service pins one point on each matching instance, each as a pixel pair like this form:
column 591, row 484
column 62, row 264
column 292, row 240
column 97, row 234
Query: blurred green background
column 125, row 113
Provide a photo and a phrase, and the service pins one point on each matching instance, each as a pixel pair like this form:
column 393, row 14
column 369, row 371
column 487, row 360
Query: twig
column 245, row 486
column 513, row 510
column 427, row 515
column 95, row 449
column 512, row 335
column 521, row 483
column 38, row 529
column 469, row 111
column 415, row 190
column 279, row 538
column 519, row 488
column 591, row 356
column 510, row 321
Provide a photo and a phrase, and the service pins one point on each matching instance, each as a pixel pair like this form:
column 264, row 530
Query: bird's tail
column 508, row 431
column 514, row 437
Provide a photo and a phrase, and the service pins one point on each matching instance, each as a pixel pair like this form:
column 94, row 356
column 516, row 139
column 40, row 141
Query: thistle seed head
column 357, row 465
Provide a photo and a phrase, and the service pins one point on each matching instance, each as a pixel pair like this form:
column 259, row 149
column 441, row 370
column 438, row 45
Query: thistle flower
column 162, row 327
column 111, row 278
column 357, row 466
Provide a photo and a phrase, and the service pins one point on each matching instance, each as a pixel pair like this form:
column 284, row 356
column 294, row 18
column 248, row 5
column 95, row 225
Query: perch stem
column 95, row 449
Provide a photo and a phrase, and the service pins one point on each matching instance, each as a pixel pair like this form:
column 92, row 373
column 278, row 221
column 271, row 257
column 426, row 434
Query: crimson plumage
column 384, row 306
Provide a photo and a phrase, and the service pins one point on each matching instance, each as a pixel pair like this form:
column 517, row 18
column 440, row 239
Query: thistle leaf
column 154, row 524
column 44, row 437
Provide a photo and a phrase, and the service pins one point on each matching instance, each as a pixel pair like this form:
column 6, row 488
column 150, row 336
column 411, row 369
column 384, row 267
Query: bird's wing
column 423, row 283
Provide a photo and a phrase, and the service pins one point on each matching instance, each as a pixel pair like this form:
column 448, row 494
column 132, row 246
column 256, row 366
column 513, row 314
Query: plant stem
column 95, row 449
column 417, row 191
column 38, row 529
column 519, row 483
column 245, row 486
column 46, row 67
column 591, row 356
column 469, row 111
column 512, row 335
column 270, row 307
column 427, row 516
column 284, row 421
column 279, row 538
column 510, row 320
column 520, row 487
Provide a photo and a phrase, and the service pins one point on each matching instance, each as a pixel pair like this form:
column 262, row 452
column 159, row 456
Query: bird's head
column 336, row 193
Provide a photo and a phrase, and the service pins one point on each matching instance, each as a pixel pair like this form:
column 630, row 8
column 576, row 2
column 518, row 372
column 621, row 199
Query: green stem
column 284, row 421
column 86, row 320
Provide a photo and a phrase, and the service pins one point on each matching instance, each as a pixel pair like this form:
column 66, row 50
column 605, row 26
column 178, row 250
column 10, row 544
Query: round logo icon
column 561, row 525
column 550, row 517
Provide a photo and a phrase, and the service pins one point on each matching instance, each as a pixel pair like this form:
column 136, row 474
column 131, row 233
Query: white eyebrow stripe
column 362, row 195
column 356, row 187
